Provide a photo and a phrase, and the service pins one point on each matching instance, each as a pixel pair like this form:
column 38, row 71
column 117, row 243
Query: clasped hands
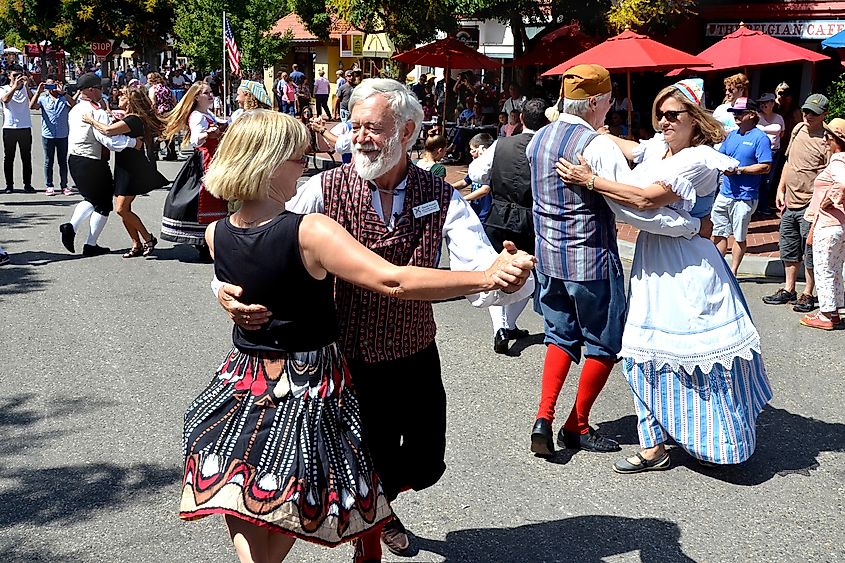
column 511, row 268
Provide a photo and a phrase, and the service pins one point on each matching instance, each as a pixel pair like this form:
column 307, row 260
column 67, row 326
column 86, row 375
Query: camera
column 50, row 86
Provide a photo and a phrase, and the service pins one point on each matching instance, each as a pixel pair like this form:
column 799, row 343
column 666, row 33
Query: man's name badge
column 426, row 209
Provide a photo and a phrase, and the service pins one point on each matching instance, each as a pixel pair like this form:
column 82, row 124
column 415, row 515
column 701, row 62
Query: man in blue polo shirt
column 740, row 190
column 55, row 106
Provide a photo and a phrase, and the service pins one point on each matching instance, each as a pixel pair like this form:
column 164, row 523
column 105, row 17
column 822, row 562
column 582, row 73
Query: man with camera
column 17, row 129
column 55, row 104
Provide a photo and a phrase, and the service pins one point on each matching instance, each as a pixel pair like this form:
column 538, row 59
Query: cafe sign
column 799, row 29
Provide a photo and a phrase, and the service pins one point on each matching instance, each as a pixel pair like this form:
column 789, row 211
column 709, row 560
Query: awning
column 127, row 54
column 378, row 46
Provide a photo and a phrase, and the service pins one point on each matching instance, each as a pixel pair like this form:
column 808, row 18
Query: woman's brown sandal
column 134, row 252
column 150, row 245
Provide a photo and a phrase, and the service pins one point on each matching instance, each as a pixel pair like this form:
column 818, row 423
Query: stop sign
column 101, row 48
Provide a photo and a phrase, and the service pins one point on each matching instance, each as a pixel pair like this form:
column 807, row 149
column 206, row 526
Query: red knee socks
column 368, row 546
column 555, row 369
column 593, row 377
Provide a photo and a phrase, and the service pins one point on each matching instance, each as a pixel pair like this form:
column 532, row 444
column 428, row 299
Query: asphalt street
column 101, row 356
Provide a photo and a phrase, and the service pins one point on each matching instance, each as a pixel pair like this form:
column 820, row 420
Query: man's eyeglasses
column 671, row 115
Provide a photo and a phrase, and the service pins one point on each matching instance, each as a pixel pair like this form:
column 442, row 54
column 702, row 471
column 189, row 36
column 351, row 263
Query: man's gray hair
column 579, row 107
column 402, row 102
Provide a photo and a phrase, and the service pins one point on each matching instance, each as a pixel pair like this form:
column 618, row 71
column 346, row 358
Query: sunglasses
column 671, row 115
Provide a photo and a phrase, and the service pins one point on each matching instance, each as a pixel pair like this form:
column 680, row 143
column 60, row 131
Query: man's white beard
column 389, row 157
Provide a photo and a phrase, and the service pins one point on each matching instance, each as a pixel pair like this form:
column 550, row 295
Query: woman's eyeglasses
column 671, row 115
column 302, row 160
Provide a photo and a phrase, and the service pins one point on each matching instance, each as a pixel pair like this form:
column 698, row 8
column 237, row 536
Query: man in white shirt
column 17, row 129
column 515, row 102
column 89, row 165
column 392, row 355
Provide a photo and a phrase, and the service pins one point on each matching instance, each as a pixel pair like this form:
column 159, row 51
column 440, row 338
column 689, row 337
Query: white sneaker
column 50, row 191
column 70, row 191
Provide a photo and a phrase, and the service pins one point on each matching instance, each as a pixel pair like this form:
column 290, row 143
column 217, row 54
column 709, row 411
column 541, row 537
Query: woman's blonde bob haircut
column 254, row 146
column 705, row 129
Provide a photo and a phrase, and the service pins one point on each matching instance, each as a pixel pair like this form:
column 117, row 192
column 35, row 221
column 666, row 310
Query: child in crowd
column 478, row 195
column 433, row 153
column 514, row 125
column 503, row 121
column 617, row 124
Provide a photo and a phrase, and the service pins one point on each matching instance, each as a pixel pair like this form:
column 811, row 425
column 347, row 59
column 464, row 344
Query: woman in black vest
column 274, row 443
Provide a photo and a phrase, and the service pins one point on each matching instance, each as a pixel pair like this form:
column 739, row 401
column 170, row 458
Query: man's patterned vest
column 374, row 327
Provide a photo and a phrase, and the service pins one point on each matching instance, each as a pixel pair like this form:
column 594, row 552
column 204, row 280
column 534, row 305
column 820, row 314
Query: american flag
column 231, row 48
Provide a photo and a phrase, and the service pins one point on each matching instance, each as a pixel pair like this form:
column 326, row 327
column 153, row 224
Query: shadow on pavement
column 586, row 539
column 71, row 493
column 40, row 257
column 52, row 202
column 19, row 280
column 787, row 444
column 180, row 253
column 521, row 344
column 15, row 549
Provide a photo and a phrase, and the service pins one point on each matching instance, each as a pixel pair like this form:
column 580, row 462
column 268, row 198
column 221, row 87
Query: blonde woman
column 251, row 95
column 187, row 212
column 274, row 443
column 134, row 173
column 690, row 351
column 736, row 86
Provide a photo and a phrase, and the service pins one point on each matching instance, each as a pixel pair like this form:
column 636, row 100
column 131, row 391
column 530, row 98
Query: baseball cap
column 816, row 103
column 582, row 82
column 766, row 98
column 741, row 105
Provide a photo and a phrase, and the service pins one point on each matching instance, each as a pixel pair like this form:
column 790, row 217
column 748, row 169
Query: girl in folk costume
column 274, row 443
column 690, row 351
column 134, row 172
column 189, row 207
column 251, row 95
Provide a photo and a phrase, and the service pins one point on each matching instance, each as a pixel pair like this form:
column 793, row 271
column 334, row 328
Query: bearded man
column 403, row 214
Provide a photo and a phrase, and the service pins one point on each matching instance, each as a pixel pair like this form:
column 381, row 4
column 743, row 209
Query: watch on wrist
column 591, row 184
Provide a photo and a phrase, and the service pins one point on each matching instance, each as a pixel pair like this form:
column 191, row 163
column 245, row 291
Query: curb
column 756, row 266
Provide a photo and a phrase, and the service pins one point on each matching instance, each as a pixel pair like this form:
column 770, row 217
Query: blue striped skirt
column 711, row 415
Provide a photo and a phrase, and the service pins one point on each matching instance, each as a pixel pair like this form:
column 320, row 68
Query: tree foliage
column 836, row 95
column 73, row 24
column 649, row 16
column 199, row 31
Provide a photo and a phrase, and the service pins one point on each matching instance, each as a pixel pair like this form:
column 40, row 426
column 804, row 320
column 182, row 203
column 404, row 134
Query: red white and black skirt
column 276, row 440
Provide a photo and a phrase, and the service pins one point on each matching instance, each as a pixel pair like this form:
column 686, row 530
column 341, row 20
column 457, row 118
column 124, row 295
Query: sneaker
column 780, row 297
column 50, row 190
column 805, row 303
column 94, row 250
column 815, row 320
column 70, row 191
column 28, row 190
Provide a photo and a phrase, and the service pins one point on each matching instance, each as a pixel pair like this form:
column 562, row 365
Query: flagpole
column 225, row 79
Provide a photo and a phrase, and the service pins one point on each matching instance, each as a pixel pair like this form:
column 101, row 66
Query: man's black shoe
column 516, row 333
column 28, row 190
column 8, row 190
column 804, row 304
column 500, row 341
column 780, row 297
column 94, row 250
column 541, row 438
column 68, row 234
column 591, row 442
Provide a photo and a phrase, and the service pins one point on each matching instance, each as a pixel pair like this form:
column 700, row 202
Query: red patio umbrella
column 748, row 48
column 447, row 53
column 566, row 40
column 630, row 52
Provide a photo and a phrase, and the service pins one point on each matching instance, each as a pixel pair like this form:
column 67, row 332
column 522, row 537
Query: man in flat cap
column 580, row 288
column 88, row 162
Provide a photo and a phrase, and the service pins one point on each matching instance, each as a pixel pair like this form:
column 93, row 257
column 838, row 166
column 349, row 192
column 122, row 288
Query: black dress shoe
column 591, row 442
column 541, row 438
column 516, row 333
column 28, row 190
column 8, row 190
column 500, row 341
column 94, row 250
column 68, row 234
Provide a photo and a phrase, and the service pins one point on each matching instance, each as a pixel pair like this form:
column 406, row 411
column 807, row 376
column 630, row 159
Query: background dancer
column 89, row 166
